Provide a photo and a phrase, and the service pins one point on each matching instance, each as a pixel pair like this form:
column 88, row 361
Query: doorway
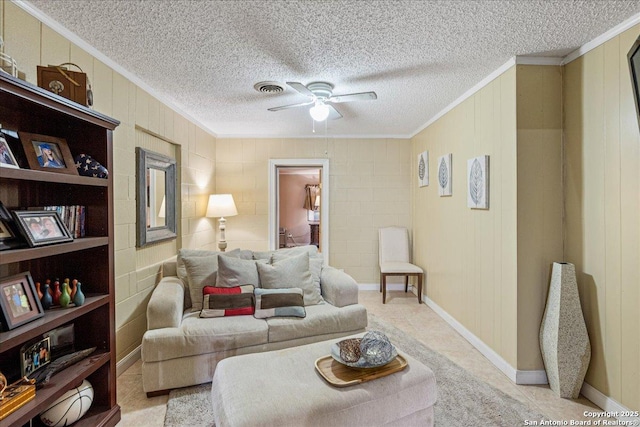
column 298, row 203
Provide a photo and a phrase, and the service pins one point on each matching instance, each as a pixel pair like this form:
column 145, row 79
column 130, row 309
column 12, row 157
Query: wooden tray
column 339, row 375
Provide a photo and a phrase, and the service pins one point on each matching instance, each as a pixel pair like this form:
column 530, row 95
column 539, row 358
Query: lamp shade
column 221, row 205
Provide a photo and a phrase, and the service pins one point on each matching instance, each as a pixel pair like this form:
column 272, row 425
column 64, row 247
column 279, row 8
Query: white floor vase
column 564, row 341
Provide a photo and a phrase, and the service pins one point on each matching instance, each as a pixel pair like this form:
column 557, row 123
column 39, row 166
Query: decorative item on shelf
column 72, row 85
column 10, row 236
column 43, row 376
column 62, row 341
column 19, row 301
column 7, row 159
column 564, row 341
column 78, row 298
column 47, row 153
column 47, row 299
column 73, row 288
column 42, row 227
column 34, row 356
column 56, row 292
column 38, row 291
column 88, row 166
column 69, row 407
column 65, row 298
column 219, row 206
column 14, row 396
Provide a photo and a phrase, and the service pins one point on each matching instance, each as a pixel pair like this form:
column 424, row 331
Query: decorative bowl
column 361, row 363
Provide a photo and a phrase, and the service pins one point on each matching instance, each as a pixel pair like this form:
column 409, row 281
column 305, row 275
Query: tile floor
column 403, row 311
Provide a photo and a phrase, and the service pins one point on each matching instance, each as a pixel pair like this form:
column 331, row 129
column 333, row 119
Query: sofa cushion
column 310, row 249
column 221, row 302
column 291, row 272
column 316, row 261
column 279, row 303
column 321, row 319
column 237, row 272
column 201, row 272
column 198, row 336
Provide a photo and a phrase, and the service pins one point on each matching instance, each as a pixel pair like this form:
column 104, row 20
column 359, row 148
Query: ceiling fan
column 321, row 95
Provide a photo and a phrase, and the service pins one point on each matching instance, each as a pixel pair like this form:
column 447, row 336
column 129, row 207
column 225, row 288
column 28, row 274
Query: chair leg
column 406, row 283
column 381, row 281
column 384, row 288
column 420, row 288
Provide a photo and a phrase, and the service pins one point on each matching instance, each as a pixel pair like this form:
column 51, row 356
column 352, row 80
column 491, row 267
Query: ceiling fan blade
column 333, row 113
column 364, row 96
column 301, row 88
column 284, row 107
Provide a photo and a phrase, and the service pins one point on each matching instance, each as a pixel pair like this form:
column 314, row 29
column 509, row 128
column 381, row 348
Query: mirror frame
column 146, row 159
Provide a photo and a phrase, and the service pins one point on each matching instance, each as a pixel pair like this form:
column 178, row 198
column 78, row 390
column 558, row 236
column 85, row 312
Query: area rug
column 463, row 400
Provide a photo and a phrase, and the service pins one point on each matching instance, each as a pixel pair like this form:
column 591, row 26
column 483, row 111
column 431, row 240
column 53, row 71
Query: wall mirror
column 155, row 197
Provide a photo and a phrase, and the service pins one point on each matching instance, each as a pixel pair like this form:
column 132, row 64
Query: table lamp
column 219, row 206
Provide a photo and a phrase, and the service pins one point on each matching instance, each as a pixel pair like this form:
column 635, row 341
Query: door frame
column 324, row 199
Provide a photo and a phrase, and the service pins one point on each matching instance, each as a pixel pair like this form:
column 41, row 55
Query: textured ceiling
column 418, row 56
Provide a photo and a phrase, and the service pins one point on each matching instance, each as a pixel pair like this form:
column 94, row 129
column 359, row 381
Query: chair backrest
column 393, row 245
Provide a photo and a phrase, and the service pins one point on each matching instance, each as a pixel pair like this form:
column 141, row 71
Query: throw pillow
column 316, row 262
column 201, row 272
column 279, row 303
column 291, row 272
column 221, row 302
column 311, row 249
column 235, row 272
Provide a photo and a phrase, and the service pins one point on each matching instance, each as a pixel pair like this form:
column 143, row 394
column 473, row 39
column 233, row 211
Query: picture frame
column 47, row 153
column 19, row 301
column 478, row 182
column 445, row 176
column 9, row 234
column 35, row 356
column 7, row 159
column 423, row 169
column 42, row 227
column 62, row 340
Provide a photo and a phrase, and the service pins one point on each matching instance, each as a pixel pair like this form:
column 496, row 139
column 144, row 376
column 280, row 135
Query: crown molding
column 75, row 39
column 312, row 136
column 601, row 39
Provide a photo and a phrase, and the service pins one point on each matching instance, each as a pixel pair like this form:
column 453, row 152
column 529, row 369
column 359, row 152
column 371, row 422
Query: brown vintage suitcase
column 72, row 85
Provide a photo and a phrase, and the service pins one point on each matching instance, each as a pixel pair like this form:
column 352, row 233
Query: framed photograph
column 423, row 169
column 35, row 356
column 47, row 153
column 7, row 159
column 19, row 301
column 9, row 234
column 62, row 340
column 42, row 227
column 478, row 182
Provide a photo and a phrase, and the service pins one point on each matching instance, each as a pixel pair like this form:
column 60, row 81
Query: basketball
column 70, row 407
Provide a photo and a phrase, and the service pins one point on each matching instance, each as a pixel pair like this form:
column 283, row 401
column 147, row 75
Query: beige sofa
column 182, row 349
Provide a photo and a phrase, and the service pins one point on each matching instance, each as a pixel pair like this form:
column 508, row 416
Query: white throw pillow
column 291, row 272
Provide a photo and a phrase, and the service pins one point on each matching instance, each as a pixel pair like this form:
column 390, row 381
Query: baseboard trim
column 517, row 376
column 128, row 361
column 605, row 402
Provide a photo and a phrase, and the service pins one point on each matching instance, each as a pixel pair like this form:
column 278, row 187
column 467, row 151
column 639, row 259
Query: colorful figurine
column 56, row 292
column 46, row 299
column 78, row 298
column 65, row 298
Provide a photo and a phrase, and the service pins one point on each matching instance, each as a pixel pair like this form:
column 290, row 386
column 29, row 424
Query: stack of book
column 73, row 218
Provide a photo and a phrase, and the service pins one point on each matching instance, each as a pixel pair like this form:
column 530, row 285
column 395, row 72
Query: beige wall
column 470, row 256
column 369, row 188
column 602, row 203
column 32, row 43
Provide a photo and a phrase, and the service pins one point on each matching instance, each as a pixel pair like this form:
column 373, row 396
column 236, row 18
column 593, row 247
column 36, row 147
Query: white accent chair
column 394, row 259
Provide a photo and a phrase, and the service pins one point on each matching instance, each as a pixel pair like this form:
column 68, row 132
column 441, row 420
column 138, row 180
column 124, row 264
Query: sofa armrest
column 338, row 288
column 166, row 305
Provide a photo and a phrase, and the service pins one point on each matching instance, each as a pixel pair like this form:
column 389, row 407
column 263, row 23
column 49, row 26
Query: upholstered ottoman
column 282, row 387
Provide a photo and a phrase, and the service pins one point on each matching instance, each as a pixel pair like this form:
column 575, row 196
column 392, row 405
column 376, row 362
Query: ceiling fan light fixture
column 319, row 112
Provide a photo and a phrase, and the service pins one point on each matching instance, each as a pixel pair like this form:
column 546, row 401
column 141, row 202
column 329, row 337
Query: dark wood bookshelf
column 28, row 108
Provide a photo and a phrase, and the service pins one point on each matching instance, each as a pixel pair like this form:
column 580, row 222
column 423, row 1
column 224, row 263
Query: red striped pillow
column 221, row 302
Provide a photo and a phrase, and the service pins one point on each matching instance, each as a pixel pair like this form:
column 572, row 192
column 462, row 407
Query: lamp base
column 222, row 244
